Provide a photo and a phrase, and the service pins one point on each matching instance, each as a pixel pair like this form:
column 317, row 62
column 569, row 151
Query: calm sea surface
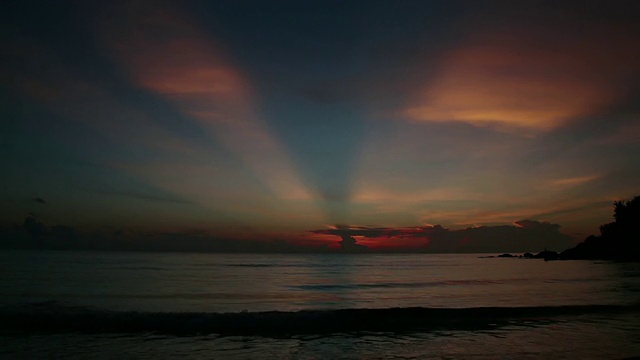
column 171, row 283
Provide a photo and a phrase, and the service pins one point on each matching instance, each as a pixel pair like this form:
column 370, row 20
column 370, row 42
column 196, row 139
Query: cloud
column 532, row 72
column 48, row 77
column 373, row 232
column 36, row 229
column 526, row 235
column 349, row 242
column 165, row 52
column 34, row 234
column 575, row 181
column 146, row 197
column 537, row 225
column 369, row 193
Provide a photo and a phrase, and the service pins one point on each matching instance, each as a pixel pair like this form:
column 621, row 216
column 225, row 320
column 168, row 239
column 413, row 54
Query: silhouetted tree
column 618, row 240
column 626, row 226
column 627, row 214
column 609, row 229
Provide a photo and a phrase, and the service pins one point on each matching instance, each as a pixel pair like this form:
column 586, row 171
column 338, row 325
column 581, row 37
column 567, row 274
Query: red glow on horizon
column 398, row 243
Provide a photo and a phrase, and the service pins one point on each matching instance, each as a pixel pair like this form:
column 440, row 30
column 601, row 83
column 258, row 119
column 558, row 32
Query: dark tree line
column 618, row 240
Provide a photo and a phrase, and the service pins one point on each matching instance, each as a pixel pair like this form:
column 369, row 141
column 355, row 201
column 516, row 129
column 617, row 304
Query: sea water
column 114, row 305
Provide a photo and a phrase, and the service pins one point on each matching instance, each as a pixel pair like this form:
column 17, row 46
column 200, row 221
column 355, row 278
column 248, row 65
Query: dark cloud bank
column 523, row 236
column 35, row 235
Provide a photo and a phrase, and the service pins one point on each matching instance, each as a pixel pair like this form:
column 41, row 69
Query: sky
column 319, row 123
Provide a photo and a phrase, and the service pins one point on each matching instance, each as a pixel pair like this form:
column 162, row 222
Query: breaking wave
column 53, row 317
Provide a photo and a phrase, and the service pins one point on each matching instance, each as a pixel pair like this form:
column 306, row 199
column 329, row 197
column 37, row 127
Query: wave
column 300, row 265
column 53, row 317
column 390, row 285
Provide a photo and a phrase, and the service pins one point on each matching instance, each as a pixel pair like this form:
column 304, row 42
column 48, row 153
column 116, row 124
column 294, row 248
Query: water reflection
column 224, row 283
column 330, row 278
column 626, row 284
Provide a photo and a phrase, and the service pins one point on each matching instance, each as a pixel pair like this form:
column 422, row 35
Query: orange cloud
column 575, row 181
column 369, row 194
column 536, row 76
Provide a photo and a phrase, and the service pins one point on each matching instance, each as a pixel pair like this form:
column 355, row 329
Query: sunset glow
column 267, row 123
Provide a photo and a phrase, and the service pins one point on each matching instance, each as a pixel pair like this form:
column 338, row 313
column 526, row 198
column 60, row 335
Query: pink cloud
column 533, row 76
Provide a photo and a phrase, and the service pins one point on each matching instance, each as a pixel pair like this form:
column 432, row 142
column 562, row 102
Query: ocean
column 81, row 305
